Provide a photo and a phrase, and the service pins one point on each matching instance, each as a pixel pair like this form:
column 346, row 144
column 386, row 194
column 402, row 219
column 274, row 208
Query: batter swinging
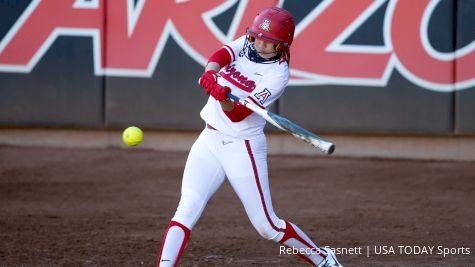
column 233, row 145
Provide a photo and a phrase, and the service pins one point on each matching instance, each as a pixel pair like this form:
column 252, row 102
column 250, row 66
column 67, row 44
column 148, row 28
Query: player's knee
column 268, row 229
column 268, row 233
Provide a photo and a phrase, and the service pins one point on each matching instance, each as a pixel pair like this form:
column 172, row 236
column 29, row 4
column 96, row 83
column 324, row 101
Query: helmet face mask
column 252, row 54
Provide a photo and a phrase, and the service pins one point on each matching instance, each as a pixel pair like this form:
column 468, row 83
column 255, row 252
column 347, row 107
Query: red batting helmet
column 274, row 25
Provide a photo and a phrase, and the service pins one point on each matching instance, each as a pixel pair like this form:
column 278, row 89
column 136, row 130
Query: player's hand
column 208, row 79
column 219, row 92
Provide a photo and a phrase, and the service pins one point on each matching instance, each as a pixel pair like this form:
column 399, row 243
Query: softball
column 132, row 136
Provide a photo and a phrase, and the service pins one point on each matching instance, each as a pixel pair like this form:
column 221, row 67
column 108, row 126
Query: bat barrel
column 324, row 146
column 288, row 126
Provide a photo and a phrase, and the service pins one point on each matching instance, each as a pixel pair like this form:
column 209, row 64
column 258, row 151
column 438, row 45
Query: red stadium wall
column 358, row 66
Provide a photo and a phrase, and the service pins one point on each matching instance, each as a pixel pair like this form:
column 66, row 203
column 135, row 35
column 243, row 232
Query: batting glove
column 208, row 79
column 219, row 92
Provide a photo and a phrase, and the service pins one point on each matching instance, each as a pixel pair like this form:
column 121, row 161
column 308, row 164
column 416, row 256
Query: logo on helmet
column 265, row 25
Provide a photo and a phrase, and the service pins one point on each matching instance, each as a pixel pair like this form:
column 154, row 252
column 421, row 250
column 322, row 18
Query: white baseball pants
column 213, row 157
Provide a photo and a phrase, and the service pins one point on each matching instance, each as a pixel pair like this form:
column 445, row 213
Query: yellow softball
column 132, row 136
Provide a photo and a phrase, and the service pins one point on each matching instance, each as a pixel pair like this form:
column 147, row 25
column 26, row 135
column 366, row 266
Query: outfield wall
column 358, row 67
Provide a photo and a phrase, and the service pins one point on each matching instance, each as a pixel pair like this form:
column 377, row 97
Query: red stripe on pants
column 258, row 183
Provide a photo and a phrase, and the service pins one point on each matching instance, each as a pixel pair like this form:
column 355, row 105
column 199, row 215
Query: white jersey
column 260, row 83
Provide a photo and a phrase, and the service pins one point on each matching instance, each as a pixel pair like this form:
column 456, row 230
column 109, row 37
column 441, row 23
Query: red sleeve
column 221, row 56
column 238, row 113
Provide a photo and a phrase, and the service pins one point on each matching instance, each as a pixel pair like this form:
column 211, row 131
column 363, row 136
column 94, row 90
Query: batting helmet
column 274, row 25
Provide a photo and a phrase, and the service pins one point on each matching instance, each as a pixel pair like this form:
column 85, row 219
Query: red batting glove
column 208, row 79
column 219, row 92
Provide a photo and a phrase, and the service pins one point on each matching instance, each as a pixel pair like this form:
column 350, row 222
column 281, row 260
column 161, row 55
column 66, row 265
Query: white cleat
column 330, row 260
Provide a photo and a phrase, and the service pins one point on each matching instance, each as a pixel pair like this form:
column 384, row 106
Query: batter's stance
column 253, row 67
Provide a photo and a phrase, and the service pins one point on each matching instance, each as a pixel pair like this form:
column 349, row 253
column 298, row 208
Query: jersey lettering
column 245, row 83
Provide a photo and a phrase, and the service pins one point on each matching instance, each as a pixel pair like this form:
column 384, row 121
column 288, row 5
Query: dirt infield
column 110, row 207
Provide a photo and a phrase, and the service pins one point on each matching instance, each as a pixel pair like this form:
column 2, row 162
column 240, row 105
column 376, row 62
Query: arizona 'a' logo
column 262, row 96
column 265, row 25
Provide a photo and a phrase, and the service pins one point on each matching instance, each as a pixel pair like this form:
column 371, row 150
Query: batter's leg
column 202, row 176
column 248, row 176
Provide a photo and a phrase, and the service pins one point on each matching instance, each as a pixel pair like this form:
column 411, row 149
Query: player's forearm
column 227, row 105
column 212, row 66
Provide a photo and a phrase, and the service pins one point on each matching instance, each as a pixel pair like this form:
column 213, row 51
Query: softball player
column 233, row 145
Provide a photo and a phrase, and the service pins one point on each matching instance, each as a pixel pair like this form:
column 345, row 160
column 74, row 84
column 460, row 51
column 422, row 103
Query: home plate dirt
column 110, row 207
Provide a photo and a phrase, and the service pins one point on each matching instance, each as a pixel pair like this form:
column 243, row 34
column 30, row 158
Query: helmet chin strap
column 281, row 49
